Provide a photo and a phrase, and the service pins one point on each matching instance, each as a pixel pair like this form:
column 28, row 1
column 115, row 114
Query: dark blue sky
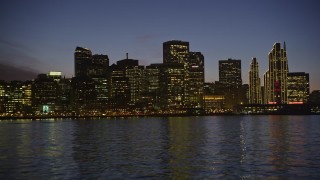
column 39, row 36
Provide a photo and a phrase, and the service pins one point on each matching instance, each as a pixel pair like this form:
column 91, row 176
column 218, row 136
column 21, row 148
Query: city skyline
column 40, row 36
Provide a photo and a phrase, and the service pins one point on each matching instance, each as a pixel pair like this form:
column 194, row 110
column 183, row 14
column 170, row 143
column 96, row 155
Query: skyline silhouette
column 39, row 36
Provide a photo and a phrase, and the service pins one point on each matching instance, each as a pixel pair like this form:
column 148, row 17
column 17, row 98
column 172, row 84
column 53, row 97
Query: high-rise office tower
column 254, row 83
column 83, row 95
column 172, row 88
column 98, row 71
column 99, row 66
column 82, row 61
column 134, row 73
column 275, row 79
column 231, row 81
column 183, row 76
column 194, row 80
column 298, row 87
column 44, row 94
column 175, row 51
column 173, row 74
column 230, row 72
column 152, row 84
column 119, row 88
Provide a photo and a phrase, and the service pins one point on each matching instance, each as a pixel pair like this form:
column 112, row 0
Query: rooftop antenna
column 127, row 55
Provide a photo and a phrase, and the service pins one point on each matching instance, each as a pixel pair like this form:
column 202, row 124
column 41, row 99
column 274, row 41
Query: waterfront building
column 275, row 79
column 314, row 97
column 314, row 101
column 244, row 94
column 172, row 88
column 230, row 82
column 13, row 97
column 119, row 92
column 230, row 73
column 134, row 73
column 152, row 85
column 82, row 61
column 82, row 95
column 183, row 76
column 254, row 83
column 64, row 95
column 214, row 103
column 194, row 81
column 44, row 95
column 298, row 87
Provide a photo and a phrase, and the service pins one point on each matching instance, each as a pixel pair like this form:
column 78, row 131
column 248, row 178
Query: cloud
column 12, row 44
column 9, row 72
column 17, row 57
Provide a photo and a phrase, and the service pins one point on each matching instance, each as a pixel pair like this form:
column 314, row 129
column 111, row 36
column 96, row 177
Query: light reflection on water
column 173, row 147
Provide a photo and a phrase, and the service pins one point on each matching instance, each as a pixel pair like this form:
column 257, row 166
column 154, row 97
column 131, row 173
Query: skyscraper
column 298, row 87
column 173, row 74
column 99, row 66
column 82, row 61
column 231, row 81
column 172, row 88
column 275, row 79
column 183, row 75
column 134, row 73
column 194, row 80
column 230, row 72
column 254, row 83
column 175, row 51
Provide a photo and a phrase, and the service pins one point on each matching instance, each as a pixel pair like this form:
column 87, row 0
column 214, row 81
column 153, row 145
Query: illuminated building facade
column 134, row 73
column 14, row 96
column 298, row 87
column 119, row 88
column 194, row 80
column 98, row 72
column 94, row 67
column 275, row 79
column 152, row 85
column 182, row 75
column 231, row 82
column 254, row 83
column 230, row 72
column 172, row 89
column 3, row 85
column 55, row 75
column 214, row 103
column 175, row 51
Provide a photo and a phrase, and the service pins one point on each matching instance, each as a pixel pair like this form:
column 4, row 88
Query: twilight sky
column 39, row 36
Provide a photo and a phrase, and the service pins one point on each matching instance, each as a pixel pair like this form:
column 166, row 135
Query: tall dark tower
column 230, row 72
column 194, row 80
column 82, row 61
column 175, row 51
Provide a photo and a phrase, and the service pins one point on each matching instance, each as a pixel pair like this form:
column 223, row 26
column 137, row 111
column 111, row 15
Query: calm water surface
column 162, row 148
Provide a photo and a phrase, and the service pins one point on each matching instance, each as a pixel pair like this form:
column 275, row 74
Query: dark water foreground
column 162, row 148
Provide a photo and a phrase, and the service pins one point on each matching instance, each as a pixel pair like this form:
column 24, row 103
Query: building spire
column 284, row 46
